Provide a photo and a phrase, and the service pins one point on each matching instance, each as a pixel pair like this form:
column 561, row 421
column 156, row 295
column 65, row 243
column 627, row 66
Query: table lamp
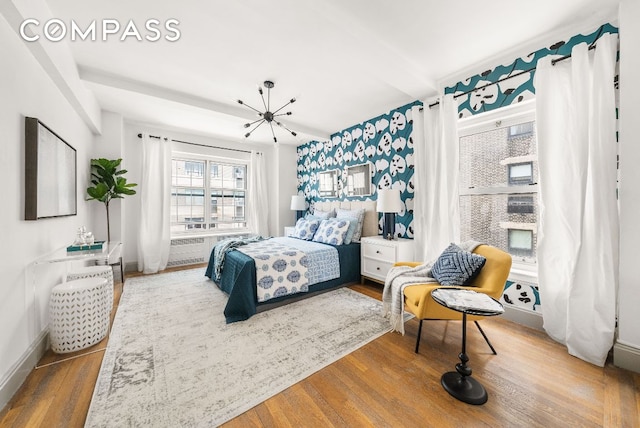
column 389, row 204
column 299, row 205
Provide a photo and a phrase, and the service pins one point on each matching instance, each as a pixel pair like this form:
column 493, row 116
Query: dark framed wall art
column 50, row 173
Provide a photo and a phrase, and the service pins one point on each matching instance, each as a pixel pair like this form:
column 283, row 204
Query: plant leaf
column 109, row 182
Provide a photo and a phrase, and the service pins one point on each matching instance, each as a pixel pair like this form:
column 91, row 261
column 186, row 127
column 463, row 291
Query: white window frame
column 500, row 118
column 187, row 156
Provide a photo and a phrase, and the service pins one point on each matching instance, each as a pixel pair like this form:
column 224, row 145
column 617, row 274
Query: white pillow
column 358, row 214
column 332, row 231
column 324, row 214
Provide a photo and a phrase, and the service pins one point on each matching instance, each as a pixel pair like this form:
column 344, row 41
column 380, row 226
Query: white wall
column 281, row 178
column 628, row 355
column 28, row 91
column 56, row 59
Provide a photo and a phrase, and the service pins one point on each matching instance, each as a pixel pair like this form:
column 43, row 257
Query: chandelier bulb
column 240, row 102
column 247, row 135
column 293, row 100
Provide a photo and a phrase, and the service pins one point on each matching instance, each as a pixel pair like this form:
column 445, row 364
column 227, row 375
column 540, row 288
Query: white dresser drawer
column 378, row 251
column 376, row 268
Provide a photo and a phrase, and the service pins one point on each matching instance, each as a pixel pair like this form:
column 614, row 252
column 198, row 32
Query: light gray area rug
column 172, row 361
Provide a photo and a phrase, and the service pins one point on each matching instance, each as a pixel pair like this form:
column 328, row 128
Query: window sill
column 524, row 272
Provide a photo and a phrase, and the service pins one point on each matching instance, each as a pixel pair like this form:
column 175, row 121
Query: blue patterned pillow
column 353, row 225
column 332, row 231
column 305, row 229
column 456, row 266
column 357, row 214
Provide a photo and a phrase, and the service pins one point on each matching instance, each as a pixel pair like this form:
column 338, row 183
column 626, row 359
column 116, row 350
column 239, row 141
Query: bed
column 238, row 276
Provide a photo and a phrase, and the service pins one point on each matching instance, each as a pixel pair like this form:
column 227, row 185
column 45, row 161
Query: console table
column 460, row 384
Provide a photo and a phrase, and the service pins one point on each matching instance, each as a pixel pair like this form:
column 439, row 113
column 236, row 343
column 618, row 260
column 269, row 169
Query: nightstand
column 288, row 230
column 378, row 255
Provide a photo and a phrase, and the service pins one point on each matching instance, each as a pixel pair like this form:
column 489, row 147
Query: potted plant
column 108, row 183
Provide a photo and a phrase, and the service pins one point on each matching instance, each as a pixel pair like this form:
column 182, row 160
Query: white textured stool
column 103, row 271
column 79, row 312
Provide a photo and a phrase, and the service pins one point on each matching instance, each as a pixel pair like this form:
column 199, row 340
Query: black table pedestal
column 464, row 388
column 460, row 384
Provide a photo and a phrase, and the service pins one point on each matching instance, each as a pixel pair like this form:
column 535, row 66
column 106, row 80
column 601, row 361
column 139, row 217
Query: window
column 520, row 130
column 521, row 173
column 520, row 205
column 498, row 181
column 520, row 242
column 207, row 194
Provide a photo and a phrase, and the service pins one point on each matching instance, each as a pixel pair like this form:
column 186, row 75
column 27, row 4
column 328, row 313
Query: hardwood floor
column 532, row 382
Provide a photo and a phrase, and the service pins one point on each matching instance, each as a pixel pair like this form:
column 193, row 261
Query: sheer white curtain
column 155, row 197
column 578, row 221
column 420, row 182
column 436, row 211
column 258, row 203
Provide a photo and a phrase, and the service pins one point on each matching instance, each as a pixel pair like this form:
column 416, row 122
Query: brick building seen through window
column 498, row 187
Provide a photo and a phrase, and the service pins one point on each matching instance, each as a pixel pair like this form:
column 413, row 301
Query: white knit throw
column 400, row 277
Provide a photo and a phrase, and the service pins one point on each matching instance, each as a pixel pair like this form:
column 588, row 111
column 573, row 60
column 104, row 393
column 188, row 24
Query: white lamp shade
column 389, row 201
column 298, row 203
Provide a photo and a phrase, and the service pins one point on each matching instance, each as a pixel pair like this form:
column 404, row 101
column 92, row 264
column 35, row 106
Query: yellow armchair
column 491, row 280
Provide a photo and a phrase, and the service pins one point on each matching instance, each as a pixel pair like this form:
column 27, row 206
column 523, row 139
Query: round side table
column 460, row 384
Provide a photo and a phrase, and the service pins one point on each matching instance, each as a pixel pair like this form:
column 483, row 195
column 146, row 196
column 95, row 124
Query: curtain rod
column 553, row 62
column 202, row 145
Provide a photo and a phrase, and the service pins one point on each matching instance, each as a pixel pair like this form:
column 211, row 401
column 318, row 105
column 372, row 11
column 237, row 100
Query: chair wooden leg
column 419, row 334
column 485, row 338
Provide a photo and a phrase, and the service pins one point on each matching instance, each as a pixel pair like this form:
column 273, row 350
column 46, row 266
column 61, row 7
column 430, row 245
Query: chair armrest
column 410, row 264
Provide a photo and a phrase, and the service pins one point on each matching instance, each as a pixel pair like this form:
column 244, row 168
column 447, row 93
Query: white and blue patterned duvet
column 287, row 265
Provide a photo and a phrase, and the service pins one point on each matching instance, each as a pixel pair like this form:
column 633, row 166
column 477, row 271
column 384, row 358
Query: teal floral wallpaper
column 517, row 88
column 510, row 91
column 384, row 142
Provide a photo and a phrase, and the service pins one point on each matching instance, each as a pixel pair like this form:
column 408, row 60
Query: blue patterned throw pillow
column 332, row 231
column 456, row 266
column 359, row 215
column 353, row 224
column 305, row 229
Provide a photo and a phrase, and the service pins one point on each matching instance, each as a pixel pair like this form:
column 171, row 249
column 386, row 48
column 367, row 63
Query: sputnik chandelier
column 267, row 116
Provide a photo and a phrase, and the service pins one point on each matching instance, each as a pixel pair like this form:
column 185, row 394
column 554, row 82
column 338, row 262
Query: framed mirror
column 328, row 183
column 359, row 180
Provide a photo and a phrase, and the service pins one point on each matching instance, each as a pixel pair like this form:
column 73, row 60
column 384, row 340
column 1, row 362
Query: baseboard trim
column 131, row 267
column 21, row 369
column 524, row 317
column 626, row 357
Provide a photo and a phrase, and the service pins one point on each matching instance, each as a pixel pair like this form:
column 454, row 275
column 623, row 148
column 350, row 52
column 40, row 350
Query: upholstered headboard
column 370, row 224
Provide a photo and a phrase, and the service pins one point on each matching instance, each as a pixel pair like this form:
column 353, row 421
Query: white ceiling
column 344, row 61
